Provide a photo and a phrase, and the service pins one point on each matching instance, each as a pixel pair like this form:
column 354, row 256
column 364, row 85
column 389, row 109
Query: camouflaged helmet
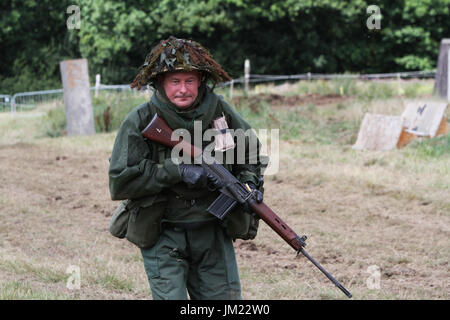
column 178, row 55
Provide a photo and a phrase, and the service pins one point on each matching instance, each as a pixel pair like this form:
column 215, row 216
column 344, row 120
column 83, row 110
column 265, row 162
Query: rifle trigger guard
column 250, row 194
column 239, row 196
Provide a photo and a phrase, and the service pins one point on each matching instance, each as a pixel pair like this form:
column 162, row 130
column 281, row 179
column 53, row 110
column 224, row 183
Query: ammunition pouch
column 139, row 220
column 241, row 225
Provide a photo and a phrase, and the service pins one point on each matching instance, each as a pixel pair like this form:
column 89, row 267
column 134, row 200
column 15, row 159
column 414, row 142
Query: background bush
column 280, row 37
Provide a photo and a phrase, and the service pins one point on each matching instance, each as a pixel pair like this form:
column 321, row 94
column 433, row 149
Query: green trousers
column 198, row 261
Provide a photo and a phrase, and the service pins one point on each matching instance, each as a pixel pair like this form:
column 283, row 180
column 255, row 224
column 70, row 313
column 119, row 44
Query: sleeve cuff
column 173, row 170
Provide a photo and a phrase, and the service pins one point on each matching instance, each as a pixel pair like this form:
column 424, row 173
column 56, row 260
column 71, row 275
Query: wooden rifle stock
column 278, row 225
column 159, row 131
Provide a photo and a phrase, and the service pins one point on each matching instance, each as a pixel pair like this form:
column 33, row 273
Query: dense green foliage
column 280, row 37
column 33, row 39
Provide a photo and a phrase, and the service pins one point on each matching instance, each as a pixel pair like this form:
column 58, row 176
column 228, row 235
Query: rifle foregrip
column 277, row 224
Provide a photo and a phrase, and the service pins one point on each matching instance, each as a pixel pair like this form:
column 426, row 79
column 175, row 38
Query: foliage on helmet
column 176, row 54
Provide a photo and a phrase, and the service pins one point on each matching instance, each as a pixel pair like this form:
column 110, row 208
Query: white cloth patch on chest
column 223, row 139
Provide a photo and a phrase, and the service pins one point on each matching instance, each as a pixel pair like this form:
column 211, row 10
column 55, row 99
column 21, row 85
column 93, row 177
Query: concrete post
column 448, row 75
column 77, row 97
column 97, row 84
column 441, row 81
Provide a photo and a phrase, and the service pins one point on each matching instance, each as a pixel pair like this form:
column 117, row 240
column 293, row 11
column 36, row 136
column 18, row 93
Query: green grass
column 432, row 148
column 294, row 124
column 44, row 274
column 309, row 124
column 119, row 104
column 15, row 290
column 113, row 282
column 55, row 122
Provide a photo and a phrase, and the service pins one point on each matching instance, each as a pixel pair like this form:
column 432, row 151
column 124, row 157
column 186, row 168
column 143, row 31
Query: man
column 185, row 249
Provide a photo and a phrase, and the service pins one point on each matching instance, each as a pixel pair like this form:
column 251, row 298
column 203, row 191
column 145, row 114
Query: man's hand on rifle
column 258, row 196
column 196, row 176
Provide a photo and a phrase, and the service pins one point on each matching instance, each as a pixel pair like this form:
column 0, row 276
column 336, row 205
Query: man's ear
column 201, row 78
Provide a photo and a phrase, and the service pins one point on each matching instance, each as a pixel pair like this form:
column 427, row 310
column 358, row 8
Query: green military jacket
column 142, row 172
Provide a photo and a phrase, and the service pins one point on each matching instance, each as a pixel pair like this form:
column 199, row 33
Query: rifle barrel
column 325, row 272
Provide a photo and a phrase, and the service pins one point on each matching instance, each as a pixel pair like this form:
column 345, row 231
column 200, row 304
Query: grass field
column 378, row 221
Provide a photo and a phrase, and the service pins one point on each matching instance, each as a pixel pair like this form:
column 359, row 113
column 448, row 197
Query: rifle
column 232, row 191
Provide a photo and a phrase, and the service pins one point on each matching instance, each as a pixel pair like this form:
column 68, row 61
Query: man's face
column 182, row 87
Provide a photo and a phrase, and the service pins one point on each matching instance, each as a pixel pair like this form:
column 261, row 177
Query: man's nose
column 183, row 87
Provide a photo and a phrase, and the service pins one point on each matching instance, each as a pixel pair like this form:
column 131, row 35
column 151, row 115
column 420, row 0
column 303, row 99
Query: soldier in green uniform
column 186, row 250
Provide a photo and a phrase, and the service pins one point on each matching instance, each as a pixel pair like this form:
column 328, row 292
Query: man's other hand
column 196, row 176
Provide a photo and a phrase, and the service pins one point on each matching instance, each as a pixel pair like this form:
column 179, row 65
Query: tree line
column 279, row 37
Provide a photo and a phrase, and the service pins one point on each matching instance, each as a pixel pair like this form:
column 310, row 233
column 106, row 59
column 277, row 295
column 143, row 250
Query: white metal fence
column 316, row 76
column 5, row 101
column 23, row 101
